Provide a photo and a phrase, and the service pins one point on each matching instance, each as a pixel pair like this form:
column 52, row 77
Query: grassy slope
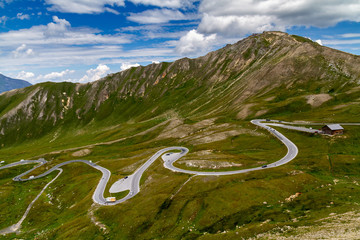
column 205, row 204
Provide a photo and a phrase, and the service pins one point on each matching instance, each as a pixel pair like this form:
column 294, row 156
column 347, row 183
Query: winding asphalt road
column 291, row 154
column 133, row 183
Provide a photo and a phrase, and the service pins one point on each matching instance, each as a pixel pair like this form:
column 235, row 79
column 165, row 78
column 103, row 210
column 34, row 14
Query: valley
column 132, row 182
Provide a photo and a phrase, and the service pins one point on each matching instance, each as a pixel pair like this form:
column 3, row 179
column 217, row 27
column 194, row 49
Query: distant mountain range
column 7, row 84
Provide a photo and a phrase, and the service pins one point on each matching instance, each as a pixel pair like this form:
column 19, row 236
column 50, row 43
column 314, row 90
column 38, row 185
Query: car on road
column 126, row 177
column 264, row 166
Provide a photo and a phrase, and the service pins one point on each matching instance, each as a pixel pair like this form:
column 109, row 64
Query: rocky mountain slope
column 7, row 84
column 263, row 75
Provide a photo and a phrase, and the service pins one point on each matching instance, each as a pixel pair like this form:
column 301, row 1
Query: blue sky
column 84, row 40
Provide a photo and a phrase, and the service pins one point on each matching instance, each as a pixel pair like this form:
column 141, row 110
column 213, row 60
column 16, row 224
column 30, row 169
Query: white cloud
column 107, row 9
column 57, row 75
column 95, row 74
column 22, row 16
column 154, row 31
column 25, row 75
column 22, row 51
column 194, row 43
column 53, row 76
column 157, row 16
column 61, row 45
column 236, row 18
column 125, row 66
column 341, row 42
column 319, row 42
column 58, row 32
column 230, row 26
column 350, row 35
column 69, row 56
column 58, row 28
column 83, row 6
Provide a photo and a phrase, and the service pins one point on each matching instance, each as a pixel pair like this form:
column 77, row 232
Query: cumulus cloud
column 25, row 75
column 319, row 42
column 125, row 66
column 157, row 16
column 236, row 18
column 230, row 26
column 95, row 74
column 22, row 51
column 57, row 75
column 22, row 16
column 53, row 76
column 230, row 19
column 194, row 43
column 58, row 28
column 83, row 6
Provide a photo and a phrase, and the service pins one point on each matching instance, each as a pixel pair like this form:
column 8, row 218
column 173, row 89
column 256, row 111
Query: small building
column 110, row 199
column 332, row 129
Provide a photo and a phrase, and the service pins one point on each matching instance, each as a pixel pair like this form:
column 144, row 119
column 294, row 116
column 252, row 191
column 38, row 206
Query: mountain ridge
column 7, row 83
column 242, row 75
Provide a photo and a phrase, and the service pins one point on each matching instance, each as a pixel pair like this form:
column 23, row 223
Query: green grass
column 19, row 194
column 250, row 151
column 205, row 204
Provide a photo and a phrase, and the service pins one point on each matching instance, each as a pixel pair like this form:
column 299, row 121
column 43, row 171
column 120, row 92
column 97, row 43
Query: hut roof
column 335, row 127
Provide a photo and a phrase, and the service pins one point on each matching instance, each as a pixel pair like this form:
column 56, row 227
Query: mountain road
column 132, row 182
